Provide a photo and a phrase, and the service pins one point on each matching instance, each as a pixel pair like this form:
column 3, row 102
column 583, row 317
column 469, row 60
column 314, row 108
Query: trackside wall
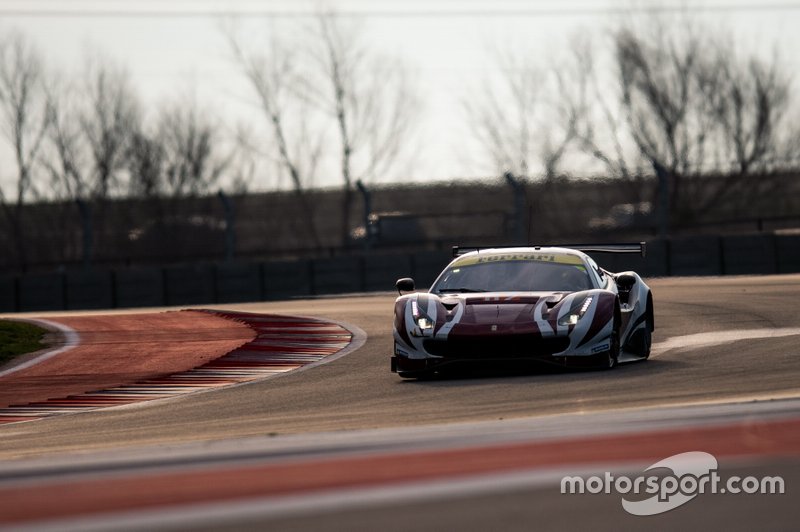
column 230, row 282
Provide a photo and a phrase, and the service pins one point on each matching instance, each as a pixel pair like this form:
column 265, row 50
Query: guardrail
column 232, row 282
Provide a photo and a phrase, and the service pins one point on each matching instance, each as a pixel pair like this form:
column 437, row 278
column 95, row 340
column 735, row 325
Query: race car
column 549, row 304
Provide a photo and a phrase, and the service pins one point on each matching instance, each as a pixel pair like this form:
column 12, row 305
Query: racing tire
column 647, row 341
column 649, row 326
column 641, row 341
column 612, row 355
column 609, row 359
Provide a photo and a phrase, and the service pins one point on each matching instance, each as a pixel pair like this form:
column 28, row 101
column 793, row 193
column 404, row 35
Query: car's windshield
column 513, row 276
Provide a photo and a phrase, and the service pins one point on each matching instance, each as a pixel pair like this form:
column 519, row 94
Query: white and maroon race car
column 546, row 304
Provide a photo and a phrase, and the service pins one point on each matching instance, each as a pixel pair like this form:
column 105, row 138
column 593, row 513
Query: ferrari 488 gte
column 545, row 304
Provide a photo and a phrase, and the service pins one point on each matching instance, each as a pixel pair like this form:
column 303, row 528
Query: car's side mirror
column 626, row 280
column 625, row 284
column 406, row 284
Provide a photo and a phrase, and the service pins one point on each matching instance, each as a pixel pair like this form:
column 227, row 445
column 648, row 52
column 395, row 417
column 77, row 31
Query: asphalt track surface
column 718, row 341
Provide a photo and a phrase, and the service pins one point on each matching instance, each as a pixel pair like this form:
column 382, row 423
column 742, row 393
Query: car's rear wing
column 640, row 248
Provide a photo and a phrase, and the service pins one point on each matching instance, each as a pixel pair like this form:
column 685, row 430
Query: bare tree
column 505, row 114
column 749, row 106
column 110, row 117
column 92, row 123
column 26, row 118
column 193, row 161
column 749, row 102
column 273, row 75
column 694, row 107
column 664, row 106
column 597, row 115
column 369, row 97
column 328, row 80
column 243, row 171
column 521, row 118
column 65, row 155
column 146, row 161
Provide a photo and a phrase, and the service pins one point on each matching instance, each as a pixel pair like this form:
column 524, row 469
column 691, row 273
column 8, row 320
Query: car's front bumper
column 411, row 367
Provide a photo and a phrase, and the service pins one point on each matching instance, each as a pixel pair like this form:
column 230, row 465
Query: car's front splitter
column 410, row 367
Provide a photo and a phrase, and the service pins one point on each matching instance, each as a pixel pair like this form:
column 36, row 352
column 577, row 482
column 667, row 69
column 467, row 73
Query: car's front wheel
column 612, row 355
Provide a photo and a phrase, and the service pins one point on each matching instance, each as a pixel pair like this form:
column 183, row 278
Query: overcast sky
column 172, row 47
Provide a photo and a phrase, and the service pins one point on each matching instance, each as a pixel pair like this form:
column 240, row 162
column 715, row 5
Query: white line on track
column 708, row 339
column 71, row 339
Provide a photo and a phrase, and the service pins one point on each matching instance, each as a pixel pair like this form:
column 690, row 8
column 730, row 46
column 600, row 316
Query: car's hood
column 500, row 308
column 500, row 298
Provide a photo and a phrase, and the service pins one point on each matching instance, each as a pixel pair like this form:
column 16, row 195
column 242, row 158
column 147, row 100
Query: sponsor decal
column 526, row 256
column 601, row 347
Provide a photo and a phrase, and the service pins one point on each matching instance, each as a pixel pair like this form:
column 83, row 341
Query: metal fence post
column 85, row 210
column 520, row 197
column 663, row 199
column 367, row 198
column 230, row 225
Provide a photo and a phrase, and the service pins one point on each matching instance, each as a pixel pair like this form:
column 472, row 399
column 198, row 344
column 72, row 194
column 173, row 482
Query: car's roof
column 544, row 254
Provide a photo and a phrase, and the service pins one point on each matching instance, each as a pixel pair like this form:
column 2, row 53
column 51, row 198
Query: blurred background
column 198, row 151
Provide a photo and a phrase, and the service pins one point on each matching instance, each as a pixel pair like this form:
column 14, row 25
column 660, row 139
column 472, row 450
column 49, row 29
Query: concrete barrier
column 139, row 287
column 8, row 294
column 89, row 290
column 696, row 255
column 41, row 291
column 656, row 263
column 787, row 251
column 283, row 279
column 427, row 265
column 749, row 254
column 238, row 282
column 338, row 275
column 382, row 271
column 191, row 284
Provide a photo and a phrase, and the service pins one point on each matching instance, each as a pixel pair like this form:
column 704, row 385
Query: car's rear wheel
column 641, row 341
column 647, row 341
column 649, row 325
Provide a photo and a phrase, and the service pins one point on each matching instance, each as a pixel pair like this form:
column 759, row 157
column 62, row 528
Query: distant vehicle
column 624, row 216
column 390, row 228
column 547, row 304
column 178, row 236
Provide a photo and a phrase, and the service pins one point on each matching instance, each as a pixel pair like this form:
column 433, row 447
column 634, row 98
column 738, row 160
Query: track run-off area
column 346, row 443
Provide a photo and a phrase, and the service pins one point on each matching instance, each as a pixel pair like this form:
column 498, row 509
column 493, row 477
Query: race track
column 717, row 341
column 358, row 391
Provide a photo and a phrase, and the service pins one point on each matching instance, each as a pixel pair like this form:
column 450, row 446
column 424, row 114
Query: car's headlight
column 576, row 312
column 424, row 323
column 422, row 320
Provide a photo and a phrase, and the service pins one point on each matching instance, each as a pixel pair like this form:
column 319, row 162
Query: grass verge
column 19, row 338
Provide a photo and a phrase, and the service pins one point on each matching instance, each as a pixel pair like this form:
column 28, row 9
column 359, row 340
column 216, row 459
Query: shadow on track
column 532, row 372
